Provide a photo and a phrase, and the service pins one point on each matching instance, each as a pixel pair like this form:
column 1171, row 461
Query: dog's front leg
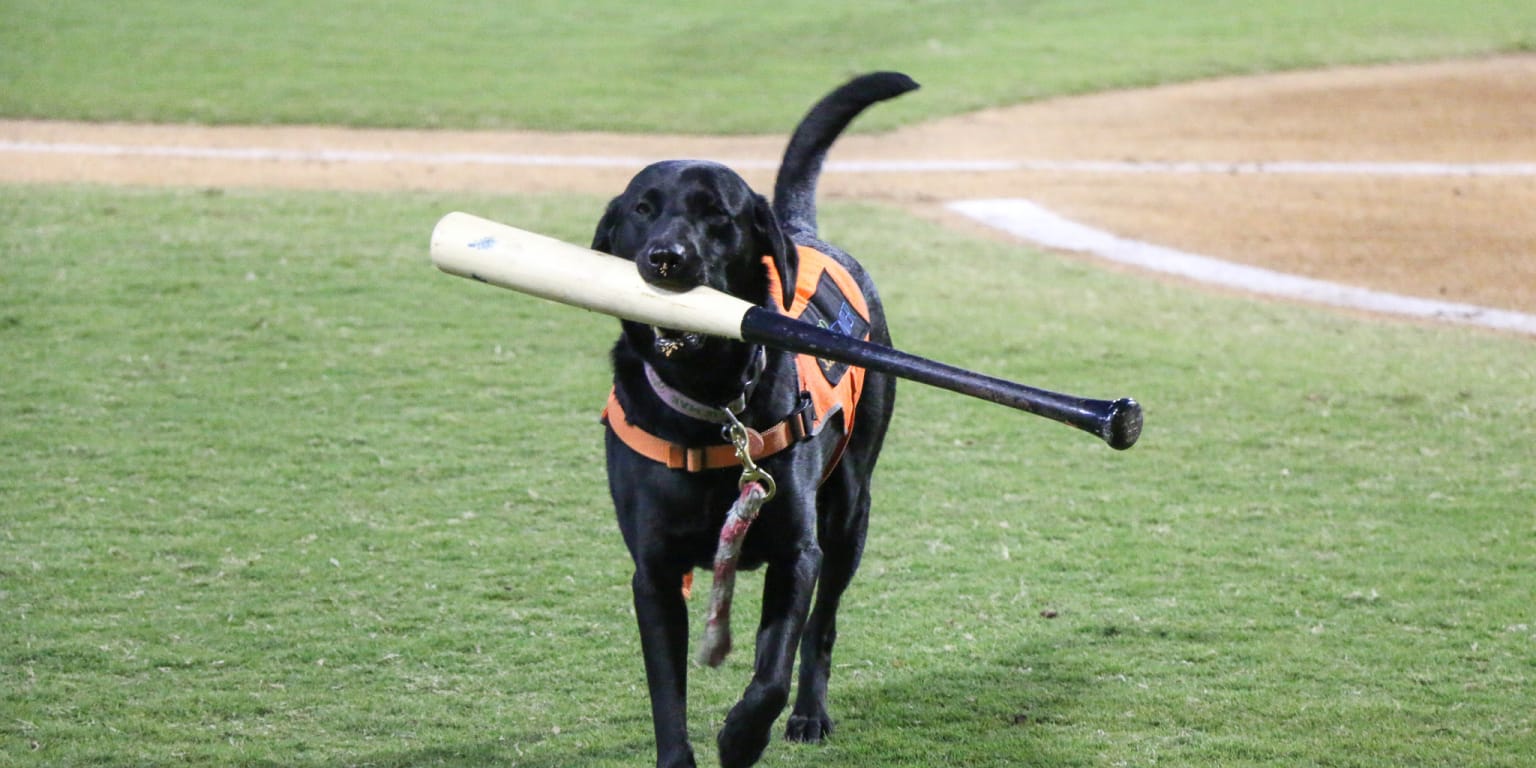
column 787, row 588
column 663, row 620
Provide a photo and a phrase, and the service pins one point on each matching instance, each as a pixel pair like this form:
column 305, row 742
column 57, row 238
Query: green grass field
column 615, row 65
column 279, row 494
column 276, row 493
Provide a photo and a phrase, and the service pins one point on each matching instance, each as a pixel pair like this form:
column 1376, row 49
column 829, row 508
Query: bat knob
column 1122, row 424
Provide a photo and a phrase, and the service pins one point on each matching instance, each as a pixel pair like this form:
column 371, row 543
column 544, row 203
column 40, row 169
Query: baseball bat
column 501, row 255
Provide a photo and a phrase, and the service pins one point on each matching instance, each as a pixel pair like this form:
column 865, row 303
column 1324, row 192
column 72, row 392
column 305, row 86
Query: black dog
column 689, row 223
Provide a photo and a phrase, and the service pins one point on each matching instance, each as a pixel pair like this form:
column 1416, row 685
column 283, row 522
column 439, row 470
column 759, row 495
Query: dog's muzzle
column 673, row 267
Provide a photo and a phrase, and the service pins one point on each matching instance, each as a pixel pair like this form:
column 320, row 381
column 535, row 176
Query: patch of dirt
column 1461, row 237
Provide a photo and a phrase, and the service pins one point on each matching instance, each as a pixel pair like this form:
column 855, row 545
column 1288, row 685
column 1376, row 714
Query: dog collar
column 715, row 414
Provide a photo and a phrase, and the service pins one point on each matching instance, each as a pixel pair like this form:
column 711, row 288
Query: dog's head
column 687, row 223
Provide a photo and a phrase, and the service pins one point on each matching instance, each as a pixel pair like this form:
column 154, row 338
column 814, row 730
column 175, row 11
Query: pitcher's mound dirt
column 1460, row 237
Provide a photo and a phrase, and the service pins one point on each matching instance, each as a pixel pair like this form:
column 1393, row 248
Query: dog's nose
column 664, row 261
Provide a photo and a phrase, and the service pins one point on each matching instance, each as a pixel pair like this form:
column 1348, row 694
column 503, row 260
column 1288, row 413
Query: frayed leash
column 757, row 487
column 717, row 623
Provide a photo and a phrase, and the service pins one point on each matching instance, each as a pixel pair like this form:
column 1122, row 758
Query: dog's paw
column 741, row 747
column 749, row 726
column 809, row 730
column 682, row 759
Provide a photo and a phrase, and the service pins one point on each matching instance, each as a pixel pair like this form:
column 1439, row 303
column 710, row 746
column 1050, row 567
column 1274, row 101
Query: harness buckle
column 685, row 458
column 802, row 420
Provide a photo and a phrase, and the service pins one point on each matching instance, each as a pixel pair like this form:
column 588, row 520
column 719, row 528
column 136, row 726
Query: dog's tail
column 794, row 193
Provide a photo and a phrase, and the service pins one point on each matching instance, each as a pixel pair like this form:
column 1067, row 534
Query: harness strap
column 699, row 459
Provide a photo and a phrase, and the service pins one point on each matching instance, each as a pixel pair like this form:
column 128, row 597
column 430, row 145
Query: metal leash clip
column 736, row 432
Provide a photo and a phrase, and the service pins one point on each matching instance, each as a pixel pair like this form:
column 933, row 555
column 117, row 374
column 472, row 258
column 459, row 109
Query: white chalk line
column 277, row 154
column 1015, row 216
column 1036, row 224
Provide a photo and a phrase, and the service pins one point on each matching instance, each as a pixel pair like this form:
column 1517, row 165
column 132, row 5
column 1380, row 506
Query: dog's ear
column 786, row 259
column 602, row 237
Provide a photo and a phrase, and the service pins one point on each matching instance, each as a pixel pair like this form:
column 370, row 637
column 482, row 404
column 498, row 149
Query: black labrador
column 687, row 223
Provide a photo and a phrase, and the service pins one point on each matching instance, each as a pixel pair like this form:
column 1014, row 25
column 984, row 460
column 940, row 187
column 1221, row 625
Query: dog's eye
column 644, row 208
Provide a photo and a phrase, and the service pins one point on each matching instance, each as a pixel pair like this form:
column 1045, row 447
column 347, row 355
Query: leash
column 757, row 488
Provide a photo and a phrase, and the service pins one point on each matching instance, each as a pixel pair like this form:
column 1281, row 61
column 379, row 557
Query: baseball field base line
column 278, row 154
column 1018, row 217
column 1038, row 225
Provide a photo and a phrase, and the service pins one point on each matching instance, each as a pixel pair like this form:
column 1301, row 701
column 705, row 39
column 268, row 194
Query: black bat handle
column 1116, row 422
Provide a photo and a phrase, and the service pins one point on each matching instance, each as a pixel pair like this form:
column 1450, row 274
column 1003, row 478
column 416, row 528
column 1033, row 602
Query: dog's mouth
column 670, row 343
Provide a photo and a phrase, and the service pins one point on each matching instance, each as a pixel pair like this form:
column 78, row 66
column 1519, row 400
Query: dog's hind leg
column 842, row 548
column 787, row 589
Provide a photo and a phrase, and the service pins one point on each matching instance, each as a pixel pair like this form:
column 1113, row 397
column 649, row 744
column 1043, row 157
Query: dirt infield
column 1421, row 179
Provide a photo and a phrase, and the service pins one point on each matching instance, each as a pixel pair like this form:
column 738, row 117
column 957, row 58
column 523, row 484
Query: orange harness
column 825, row 295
